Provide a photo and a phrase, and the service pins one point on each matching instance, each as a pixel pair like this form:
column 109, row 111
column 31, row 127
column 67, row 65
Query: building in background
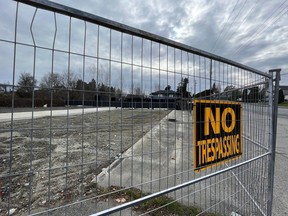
column 285, row 91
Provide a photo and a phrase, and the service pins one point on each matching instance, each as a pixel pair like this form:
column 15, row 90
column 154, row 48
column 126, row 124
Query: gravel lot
column 55, row 160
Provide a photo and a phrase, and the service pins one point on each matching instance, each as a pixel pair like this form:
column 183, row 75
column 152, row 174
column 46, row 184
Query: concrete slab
column 4, row 117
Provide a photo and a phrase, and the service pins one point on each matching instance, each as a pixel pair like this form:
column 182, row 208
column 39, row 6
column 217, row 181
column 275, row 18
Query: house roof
column 283, row 87
column 164, row 92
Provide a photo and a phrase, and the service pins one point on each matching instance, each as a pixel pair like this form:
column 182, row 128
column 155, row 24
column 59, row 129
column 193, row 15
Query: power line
column 246, row 16
column 251, row 40
column 219, row 35
column 227, row 32
column 259, row 30
column 254, row 36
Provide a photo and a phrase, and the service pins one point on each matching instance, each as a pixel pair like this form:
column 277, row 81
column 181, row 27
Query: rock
column 120, row 200
column 11, row 211
column 44, row 202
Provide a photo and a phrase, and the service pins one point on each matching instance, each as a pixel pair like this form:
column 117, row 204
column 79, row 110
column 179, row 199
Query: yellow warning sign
column 217, row 132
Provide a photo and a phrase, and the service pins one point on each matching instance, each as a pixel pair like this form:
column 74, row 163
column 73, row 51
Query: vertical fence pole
column 273, row 103
column 210, row 74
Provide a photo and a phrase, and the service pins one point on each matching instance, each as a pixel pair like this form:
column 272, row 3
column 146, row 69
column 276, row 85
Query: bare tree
column 51, row 81
column 69, row 79
column 59, row 81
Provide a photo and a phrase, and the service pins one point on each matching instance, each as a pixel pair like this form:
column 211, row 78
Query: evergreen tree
column 182, row 88
column 26, row 85
column 281, row 98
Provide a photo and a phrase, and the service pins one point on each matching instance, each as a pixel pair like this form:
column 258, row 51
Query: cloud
column 195, row 23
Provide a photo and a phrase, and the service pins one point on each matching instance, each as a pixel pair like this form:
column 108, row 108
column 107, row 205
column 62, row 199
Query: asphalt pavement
column 280, row 201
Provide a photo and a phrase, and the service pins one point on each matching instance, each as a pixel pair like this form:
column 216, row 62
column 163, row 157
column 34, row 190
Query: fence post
column 273, row 112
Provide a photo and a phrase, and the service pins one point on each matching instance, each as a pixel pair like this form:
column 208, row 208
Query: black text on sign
column 217, row 132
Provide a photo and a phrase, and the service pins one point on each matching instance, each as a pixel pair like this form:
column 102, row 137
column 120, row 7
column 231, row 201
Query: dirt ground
column 55, row 160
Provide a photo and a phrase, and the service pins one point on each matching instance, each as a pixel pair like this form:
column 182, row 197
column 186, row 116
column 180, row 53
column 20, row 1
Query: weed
column 158, row 206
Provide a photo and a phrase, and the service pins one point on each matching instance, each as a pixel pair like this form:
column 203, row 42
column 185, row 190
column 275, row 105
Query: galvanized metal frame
column 186, row 184
column 273, row 112
column 273, row 99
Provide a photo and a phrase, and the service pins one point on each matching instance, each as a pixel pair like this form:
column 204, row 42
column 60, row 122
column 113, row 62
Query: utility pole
column 210, row 73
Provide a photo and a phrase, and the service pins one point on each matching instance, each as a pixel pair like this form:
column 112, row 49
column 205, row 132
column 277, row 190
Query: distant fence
column 215, row 159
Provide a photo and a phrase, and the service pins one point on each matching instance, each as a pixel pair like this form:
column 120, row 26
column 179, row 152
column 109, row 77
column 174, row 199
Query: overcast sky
column 254, row 33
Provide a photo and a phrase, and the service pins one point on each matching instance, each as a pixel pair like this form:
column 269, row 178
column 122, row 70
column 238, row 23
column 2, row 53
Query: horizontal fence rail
column 61, row 9
column 100, row 118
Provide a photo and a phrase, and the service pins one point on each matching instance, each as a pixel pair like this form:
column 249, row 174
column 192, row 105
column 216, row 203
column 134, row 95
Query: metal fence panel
column 97, row 118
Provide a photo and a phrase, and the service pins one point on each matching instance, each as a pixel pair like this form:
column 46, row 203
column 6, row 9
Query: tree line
column 60, row 85
column 68, row 86
column 253, row 94
column 55, row 90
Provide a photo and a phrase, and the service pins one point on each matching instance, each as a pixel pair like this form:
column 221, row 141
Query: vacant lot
column 53, row 161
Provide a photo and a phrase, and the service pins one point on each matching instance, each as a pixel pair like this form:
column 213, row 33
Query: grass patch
column 164, row 205
column 171, row 207
column 285, row 104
